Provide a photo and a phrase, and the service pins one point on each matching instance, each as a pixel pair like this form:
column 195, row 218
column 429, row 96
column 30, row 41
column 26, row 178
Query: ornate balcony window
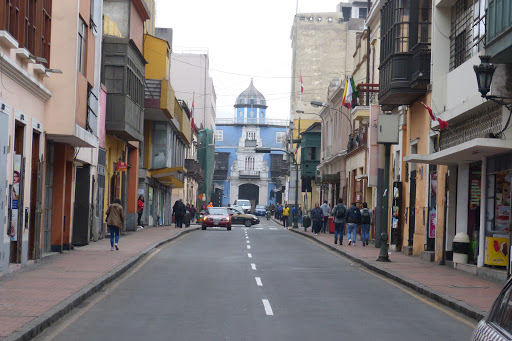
column 405, row 51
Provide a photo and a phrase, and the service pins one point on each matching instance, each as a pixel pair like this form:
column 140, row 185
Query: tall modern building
column 240, row 173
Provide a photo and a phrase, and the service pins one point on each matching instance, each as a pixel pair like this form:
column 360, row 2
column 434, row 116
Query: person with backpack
column 353, row 221
column 339, row 213
column 317, row 216
column 179, row 211
column 366, row 221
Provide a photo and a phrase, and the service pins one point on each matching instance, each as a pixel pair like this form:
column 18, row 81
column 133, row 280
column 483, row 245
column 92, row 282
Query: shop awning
column 466, row 152
column 166, row 176
column 170, row 171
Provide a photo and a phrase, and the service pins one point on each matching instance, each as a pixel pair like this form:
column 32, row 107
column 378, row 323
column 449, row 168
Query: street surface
column 257, row 283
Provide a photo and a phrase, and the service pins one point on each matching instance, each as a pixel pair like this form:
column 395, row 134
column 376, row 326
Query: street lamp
column 266, row 150
column 484, row 73
column 318, row 104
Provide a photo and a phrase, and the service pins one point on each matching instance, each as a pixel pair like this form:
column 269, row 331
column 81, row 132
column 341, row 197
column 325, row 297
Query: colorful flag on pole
column 442, row 124
column 348, row 93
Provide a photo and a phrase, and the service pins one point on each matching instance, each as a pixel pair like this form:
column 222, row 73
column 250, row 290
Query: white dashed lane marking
column 258, row 282
column 268, row 308
column 253, row 266
column 248, row 247
column 249, row 255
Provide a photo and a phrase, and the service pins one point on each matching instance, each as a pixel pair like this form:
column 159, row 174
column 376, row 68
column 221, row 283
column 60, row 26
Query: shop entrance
column 17, row 193
column 4, row 143
column 34, row 232
column 412, row 207
column 81, row 209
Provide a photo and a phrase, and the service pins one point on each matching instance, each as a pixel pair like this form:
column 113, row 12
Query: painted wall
column 156, row 53
column 136, row 27
column 63, row 55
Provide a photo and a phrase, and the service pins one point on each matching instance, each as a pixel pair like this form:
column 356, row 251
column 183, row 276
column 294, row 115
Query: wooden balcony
column 499, row 32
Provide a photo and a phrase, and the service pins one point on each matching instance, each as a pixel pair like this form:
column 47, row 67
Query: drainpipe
column 483, row 201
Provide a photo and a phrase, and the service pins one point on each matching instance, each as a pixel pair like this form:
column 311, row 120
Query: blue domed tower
column 250, row 106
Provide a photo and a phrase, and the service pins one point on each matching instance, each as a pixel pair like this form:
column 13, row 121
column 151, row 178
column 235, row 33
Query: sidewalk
column 37, row 295
column 461, row 291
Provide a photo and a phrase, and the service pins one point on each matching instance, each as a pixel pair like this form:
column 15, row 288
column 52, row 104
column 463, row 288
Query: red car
column 216, row 216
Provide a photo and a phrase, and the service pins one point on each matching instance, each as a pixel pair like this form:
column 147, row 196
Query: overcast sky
column 244, row 39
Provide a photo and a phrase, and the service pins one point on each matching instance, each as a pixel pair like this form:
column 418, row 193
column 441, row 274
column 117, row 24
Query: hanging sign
column 122, row 166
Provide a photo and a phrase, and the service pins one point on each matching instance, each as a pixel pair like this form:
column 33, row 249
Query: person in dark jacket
column 339, row 214
column 179, row 211
column 115, row 222
column 317, row 216
column 353, row 221
column 192, row 213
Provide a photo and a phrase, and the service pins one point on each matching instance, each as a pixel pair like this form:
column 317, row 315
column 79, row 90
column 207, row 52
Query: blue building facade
column 240, row 172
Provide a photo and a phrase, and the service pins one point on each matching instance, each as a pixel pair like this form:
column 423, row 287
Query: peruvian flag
column 301, row 84
column 442, row 124
column 192, row 118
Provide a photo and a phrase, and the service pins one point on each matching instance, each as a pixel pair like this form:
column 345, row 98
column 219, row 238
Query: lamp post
column 268, row 151
column 484, row 73
column 318, row 104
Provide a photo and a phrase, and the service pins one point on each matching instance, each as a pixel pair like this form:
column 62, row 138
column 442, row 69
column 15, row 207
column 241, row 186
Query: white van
column 245, row 204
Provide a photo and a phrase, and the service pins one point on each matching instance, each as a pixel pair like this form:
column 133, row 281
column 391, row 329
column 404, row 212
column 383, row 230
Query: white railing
column 269, row 121
column 251, row 173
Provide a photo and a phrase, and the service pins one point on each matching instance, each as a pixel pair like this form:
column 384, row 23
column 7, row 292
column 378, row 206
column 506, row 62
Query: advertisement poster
column 16, row 177
column 502, row 203
column 432, row 214
column 496, row 251
column 432, row 223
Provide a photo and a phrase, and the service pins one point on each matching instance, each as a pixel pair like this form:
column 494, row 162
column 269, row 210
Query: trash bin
column 306, row 221
column 331, row 225
column 460, row 248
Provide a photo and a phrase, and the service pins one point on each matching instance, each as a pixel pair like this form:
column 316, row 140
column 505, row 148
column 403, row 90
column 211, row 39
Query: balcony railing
column 368, row 94
column 194, row 169
column 265, row 121
column 250, row 143
column 249, row 174
column 358, row 140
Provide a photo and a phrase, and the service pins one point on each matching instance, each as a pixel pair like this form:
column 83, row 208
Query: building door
column 81, row 209
column 412, row 207
column 250, row 192
column 18, row 192
column 4, row 151
column 48, row 197
column 35, row 198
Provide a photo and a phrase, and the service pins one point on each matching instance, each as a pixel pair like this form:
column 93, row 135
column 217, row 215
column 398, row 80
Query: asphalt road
column 258, row 283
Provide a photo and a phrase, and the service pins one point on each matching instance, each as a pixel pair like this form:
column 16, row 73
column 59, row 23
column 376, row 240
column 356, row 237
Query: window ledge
column 8, row 40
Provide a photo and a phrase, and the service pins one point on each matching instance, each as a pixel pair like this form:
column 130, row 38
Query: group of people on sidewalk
column 353, row 217
column 283, row 213
column 115, row 217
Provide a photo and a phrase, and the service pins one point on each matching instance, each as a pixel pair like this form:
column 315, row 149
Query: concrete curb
column 446, row 300
column 37, row 325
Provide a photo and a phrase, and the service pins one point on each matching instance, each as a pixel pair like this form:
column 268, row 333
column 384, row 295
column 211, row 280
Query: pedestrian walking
column 115, row 222
column 140, row 209
column 366, row 221
column 317, row 216
column 286, row 214
column 279, row 211
column 353, row 221
column 300, row 214
column 179, row 212
column 339, row 214
column 326, row 211
column 192, row 213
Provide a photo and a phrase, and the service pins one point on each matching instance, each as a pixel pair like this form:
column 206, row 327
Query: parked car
column 216, row 216
column 497, row 325
column 246, row 204
column 260, row 210
column 239, row 217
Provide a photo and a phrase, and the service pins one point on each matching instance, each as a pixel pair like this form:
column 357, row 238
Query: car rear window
column 243, row 202
column 260, row 206
column 217, row 211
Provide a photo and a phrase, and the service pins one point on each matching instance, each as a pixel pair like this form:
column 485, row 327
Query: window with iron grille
column 219, row 135
column 467, row 35
column 82, row 34
column 395, row 27
column 249, row 163
column 251, row 135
